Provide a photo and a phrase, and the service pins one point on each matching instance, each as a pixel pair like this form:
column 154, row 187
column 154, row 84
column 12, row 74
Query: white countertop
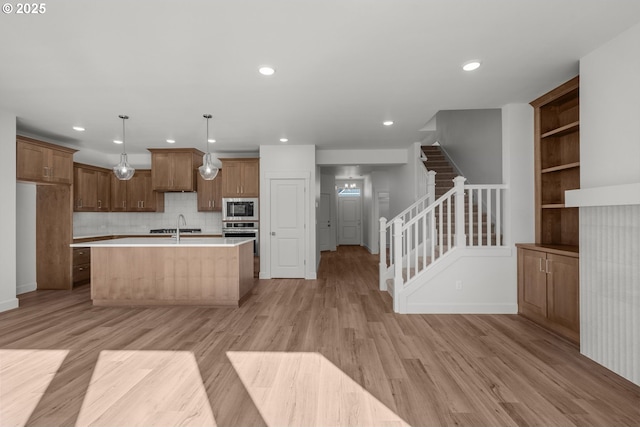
column 185, row 241
column 143, row 234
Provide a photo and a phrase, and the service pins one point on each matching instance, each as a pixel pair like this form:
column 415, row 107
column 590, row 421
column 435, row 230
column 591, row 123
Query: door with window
column 349, row 216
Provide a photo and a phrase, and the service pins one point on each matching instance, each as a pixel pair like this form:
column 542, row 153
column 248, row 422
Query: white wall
column 26, row 244
column 288, row 161
column 8, row 298
column 517, row 171
column 405, row 177
column 610, row 235
column 473, row 141
column 610, row 113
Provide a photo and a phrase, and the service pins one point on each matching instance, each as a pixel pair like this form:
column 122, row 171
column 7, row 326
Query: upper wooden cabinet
column 241, row 177
column 175, row 169
column 91, row 188
column 136, row 194
column 44, row 163
column 210, row 194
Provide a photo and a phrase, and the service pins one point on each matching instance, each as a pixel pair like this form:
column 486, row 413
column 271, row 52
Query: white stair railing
column 465, row 216
column 387, row 252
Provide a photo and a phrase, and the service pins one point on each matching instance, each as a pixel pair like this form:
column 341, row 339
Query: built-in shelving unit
column 557, row 164
column 548, row 270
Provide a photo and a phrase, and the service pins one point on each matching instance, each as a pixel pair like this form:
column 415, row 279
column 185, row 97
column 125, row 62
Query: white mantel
column 611, row 195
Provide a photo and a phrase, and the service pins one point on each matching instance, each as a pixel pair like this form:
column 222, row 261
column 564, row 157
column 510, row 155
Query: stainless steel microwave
column 242, row 209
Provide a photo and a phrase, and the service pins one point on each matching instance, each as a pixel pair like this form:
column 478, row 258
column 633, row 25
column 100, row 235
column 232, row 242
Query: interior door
column 349, row 221
column 287, row 231
column 324, row 222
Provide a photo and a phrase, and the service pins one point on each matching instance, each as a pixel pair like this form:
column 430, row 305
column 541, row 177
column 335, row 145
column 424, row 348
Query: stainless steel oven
column 242, row 209
column 243, row 229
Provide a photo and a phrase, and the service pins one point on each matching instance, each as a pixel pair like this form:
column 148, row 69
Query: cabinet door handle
column 540, row 259
column 213, row 203
column 99, row 204
column 546, row 266
column 45, row 172
column 124, row 204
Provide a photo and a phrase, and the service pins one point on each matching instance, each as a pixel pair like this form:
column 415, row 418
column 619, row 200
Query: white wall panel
column 610, row 288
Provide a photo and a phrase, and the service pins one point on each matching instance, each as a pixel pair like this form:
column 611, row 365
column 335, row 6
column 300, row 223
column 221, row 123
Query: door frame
column 265, row 222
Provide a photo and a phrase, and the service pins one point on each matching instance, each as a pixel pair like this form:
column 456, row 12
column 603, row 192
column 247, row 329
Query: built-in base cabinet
column 81, row 266
column 549, row 289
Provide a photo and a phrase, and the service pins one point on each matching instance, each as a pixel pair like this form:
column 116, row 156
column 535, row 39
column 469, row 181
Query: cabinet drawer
column 81, row 273
column 81, row 256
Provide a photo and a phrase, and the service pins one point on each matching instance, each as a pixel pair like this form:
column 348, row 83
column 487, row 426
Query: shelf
column 562, row 130
column 561, row 167
column 553, row 206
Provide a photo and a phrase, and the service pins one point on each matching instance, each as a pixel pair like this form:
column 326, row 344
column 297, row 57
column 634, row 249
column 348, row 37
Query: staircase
column 437, row 162
column 421, row 238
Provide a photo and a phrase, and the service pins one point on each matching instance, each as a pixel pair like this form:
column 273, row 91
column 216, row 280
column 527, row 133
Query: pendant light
column 208, row 170
column 123, row 170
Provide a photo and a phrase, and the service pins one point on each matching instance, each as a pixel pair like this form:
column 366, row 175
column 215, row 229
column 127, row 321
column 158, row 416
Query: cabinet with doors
column 210, row 194
column 549, row 289
column 136, row 194
column 81, row 269
column 43, row 163
column 241, row 177
column 548, row 271
column 175, row 169
column 91, row 188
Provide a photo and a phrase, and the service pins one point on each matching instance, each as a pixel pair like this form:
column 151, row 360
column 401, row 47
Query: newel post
column 383, row 254
column 397, row 255
column 461, row 237
column 431, row 186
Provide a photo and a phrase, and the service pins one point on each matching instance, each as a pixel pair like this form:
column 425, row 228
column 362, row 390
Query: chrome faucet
column 184, row 223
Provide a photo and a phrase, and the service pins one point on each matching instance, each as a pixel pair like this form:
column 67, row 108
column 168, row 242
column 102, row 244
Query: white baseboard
column 27, row 287
column 462, row 309
column 9, row 304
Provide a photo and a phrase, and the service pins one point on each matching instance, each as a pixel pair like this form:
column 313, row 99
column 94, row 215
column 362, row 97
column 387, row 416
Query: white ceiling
column 342, row 67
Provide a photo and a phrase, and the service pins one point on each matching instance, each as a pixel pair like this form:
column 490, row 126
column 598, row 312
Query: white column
column 383, row 254
column 8, row 298
column 461, row 237
column 431, row 186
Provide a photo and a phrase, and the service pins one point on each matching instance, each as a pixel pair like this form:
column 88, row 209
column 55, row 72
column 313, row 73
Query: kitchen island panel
column 171, row 275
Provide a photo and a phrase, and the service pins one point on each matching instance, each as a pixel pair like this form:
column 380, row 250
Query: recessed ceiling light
column 171, row 141
column 78, row 128
column 211, row 140
column 471, row 65
column 117, row 141
column 387, row 122
column 283, row 140
column 265, row 70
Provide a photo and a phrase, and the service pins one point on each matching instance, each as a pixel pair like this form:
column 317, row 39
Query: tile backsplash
column 92, row 223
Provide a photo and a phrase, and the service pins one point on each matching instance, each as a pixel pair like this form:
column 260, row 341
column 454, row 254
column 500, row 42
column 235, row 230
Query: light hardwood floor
column 324, row 352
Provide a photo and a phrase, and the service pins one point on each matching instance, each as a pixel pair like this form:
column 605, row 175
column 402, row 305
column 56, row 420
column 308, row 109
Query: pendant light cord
column 124, row 145
column 207, row 116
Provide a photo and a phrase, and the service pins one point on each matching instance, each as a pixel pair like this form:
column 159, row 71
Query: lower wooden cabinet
column 81, row 270
column 549, row 288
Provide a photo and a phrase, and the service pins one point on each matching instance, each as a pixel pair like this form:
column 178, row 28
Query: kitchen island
column 212, row 271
